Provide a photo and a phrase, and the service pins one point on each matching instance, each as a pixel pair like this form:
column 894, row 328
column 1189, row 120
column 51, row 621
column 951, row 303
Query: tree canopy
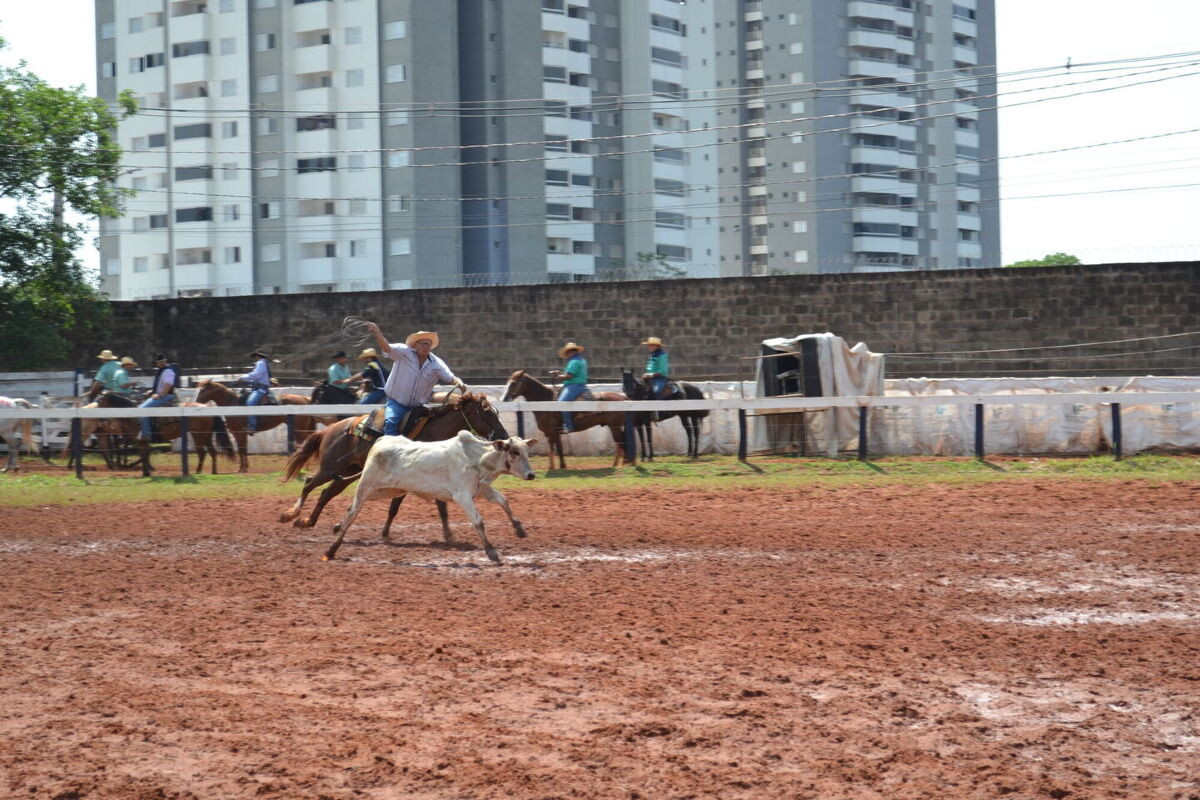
column 58, row 154
column 1049, row 260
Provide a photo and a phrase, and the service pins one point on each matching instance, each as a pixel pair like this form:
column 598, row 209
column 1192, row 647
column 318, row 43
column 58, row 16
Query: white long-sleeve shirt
column 411, row 383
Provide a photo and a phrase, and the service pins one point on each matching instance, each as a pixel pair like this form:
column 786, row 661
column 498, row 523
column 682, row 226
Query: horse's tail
column 308, row 450
column 692, row 392
column 221, row 434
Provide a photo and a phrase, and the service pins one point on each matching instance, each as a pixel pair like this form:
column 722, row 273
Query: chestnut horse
column 203, row 430
column 341, row 455
column 222, row 395
column 522, row 384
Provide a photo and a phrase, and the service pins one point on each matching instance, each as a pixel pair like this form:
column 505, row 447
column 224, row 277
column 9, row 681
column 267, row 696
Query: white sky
column 56, row 37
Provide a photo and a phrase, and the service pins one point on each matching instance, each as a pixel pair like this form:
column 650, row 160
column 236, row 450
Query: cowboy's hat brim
column 413, row 338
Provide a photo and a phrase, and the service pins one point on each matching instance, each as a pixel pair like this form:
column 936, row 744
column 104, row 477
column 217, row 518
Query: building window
column 397, row 117
column 356, row 161
column 398, row 203
column 962, row 12
column 229, row 171
column 228, row 5
column 399, row 159
column 199, row 130
column 668, row 89
column 108, row 69
column 268, row 210
column 556, row 143
column 673, row 58
column 267, row 126
column 557, row 177
column 968, row 235
column 140, row 264
column 558, row 211
column 157, row 221
column 233, row 255
column 200, row 173
column 669, row 187
column 554, row 74
column 270, row 252
column 669, row 219
column 135, row 24
column 670, row 155
column 397, row 73
column 354, row 77
column 395, row 30
column 668, row 24
column 108, row 30
column 673, row 252
column 322, row 164
column 269, row 168
column 317, row 122
column 358, row 247
column 356, row 120
column 400, row 247
column 200, row 214
column 268, row 84
column 264, row 41
column 354, row 35
column 183, row 49
column 228, row 46
column 229, row 87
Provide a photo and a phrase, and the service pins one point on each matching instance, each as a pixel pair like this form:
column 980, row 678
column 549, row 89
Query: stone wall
column 710, row 324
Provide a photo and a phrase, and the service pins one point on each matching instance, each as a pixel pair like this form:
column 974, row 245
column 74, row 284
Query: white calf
column 11, row 428
column 459, row 469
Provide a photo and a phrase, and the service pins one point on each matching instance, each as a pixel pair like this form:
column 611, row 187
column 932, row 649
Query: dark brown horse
column 341, row 454
column 522, row 384
column 204, row 431
column 222, row 395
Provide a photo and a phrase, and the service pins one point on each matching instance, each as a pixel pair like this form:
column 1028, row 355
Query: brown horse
column 222, row 395
column 522, row 384
column 203, row 430
column 341, row 454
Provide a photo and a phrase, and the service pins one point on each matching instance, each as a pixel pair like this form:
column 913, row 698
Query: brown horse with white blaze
column 522, row 384
column 222, row 395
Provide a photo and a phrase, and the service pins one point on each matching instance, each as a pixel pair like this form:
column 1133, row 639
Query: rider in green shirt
column 574, row 379
column 339, row 371
column 658, row 370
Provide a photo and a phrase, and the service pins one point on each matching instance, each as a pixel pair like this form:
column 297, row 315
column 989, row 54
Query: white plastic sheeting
column 1057, row 428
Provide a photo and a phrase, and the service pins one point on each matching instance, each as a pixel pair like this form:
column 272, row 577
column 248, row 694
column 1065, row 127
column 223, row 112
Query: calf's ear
column 530, row 442
column 500, row 444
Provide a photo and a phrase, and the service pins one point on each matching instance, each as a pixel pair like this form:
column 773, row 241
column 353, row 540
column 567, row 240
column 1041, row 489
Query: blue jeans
column 152, row 402
column 657, row 385
column 373, row 398
column 254, row 399
column 392, row 416
column 570, row 392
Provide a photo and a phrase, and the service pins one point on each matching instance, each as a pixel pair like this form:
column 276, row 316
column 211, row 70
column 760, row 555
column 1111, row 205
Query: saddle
column 269, row 399
column 370, row 427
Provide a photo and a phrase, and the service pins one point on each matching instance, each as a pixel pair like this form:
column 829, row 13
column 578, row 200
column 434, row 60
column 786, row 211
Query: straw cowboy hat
column 416, row 337
column 654, row 340
column 106, row 355
column 568, row 347
column 368, row 353
column 128, row 362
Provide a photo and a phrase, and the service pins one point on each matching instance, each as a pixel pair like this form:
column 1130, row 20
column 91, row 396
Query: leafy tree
column 1051, row 260
column 58, row 154
column 649, row 266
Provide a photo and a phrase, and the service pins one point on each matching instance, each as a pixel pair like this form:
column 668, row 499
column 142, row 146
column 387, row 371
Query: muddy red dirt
column 1019, row 640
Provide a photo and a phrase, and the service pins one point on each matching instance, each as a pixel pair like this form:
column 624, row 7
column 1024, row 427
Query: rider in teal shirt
column 339, row 371
column 574, row 379
column 658, row 370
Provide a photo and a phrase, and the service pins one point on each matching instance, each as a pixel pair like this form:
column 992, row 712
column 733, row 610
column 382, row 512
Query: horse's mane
column 456, row 402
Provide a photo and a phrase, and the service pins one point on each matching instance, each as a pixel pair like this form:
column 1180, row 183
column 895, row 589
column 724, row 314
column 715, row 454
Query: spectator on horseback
column 658, row 370
column 339, row 373
column 375, row 376
column 415, row 371
column 121, row 382
column 574, row 379
column 104, row 374
column 161, row 393
column 259, row 380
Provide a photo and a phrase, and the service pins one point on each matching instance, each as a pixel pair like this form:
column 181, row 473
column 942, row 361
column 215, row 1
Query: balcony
column 312, row 16
column 865, row 8
column 315, row 270
column 190, row 28
column 892, row 216
column 872, row 68
column 886, row 244
column 311, row 59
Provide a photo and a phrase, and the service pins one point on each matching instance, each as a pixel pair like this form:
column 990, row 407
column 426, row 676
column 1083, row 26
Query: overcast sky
column 56, row 37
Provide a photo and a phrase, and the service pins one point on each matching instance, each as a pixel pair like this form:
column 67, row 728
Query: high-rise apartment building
column 862, row 143
column 318, row 145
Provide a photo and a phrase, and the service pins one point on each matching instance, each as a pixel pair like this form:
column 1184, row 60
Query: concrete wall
column 709, row 324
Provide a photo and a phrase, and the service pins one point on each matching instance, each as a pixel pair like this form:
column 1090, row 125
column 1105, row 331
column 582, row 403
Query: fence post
column 630, row 439
column 863, row 412
column 979, row 431
column 77, row 445
column 741, row 434
column 1116, row 431
column 521, row 423
column 183, row 444
column 291, row 433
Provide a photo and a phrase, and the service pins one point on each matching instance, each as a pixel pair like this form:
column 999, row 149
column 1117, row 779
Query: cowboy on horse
column 658, row 370
column 162, row 393
column 259, row 380
column 104, row 374
column 574, row 378
column 374, row 377
column 415, row 371
column 339, row 373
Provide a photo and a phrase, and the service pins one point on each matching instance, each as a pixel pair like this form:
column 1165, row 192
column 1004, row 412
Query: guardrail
column 741, row 405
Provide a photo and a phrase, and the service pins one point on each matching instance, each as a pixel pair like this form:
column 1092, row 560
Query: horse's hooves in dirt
column 301, row 523
column 492, row 554
column 521, row 534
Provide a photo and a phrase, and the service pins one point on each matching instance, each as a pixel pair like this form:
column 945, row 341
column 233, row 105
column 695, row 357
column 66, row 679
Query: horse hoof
column 492, row 554
column 520, row 531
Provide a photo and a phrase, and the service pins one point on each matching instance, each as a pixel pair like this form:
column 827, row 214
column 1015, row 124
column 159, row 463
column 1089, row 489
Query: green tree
column 1051, row 260
column 648, row 266
column 58, row 155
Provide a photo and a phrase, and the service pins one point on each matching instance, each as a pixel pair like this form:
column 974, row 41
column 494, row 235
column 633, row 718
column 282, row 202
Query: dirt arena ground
column 1019, row 640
